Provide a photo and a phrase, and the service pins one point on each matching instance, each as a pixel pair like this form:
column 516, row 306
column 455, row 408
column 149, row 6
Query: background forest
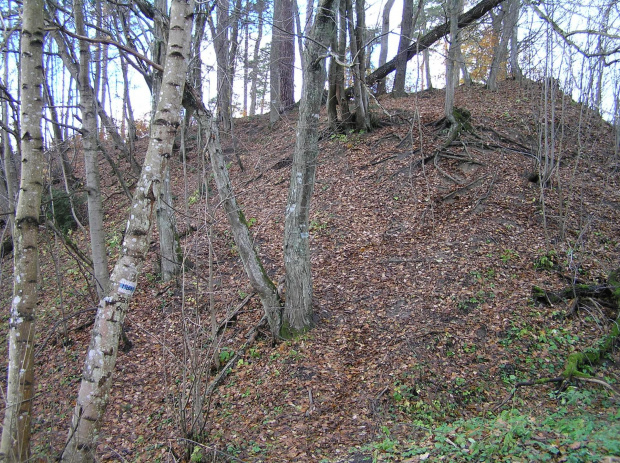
column 333, row 231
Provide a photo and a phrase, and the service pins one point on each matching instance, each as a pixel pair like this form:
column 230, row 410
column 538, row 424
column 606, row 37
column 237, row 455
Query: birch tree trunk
column 101, row 357
column 169, row 259
column 15, row 442
column 89, row 146
column 298, row 315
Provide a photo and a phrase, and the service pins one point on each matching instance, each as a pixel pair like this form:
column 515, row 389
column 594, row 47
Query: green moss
column 286, row 332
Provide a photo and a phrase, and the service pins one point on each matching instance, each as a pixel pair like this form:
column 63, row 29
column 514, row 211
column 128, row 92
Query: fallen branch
column 463, row 189
column 251, row 336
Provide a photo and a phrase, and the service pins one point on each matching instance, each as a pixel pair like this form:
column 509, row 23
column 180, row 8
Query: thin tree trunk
column 385, row 31
column 246, row 59
column 287, row 56
column 101, row 358
column 362, row 116
column 515, row 69
column 15, row 442
column 275, row 103
column 298, row 315
column 255, row 66
column 500, row 51
column 453, row 9
column 89, row 147
column 259, row 279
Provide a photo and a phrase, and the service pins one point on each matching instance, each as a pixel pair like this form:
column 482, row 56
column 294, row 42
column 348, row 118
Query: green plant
column 194, row 198
column 226, row 354
column 251, row 222
column 508, row 255
column 196, row 455
column 547, row 261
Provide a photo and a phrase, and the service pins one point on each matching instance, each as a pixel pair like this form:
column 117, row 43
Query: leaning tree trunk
column 89, row 146
column 101, row 357
column 298, row 315
column 260, row 281
column 15, row 443
column 169, row 255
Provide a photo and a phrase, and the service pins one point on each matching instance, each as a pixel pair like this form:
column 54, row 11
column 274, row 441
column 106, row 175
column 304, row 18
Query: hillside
column 423, row 276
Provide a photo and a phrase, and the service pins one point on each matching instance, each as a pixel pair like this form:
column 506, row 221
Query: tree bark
column 507, row 21
column 404, row 41
column 169, row 259
column 15, row 442
column 298, row 315
column 360, row 92
column 282, row 59
column 451, row 65
column 89, row 146
column 101, row 358
column 385, row 31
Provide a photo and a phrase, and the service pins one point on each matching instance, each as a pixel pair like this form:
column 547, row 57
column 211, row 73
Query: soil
column 423, row 275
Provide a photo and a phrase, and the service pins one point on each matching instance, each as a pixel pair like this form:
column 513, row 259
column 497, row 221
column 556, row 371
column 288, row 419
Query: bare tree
column 385, row 36
column 90, row 148
column 406, row 30
column 15, row 443
column 298, row 315
column 451, row 64
column 101, row 358
column 503, row 25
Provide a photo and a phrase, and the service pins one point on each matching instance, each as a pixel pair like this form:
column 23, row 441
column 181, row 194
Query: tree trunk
column 169, row 259
column 401, row 56
column 282, row 60
column 451, row 65
column 260, row 281
column 507, row 21
column 385, row 31
column 169, row 246
column 100, row 361
column 298, row 315
column 255, row 66
column 515, row 69
column 89, row 146
column 15, row 443
column 362, row 115
column 222, row 55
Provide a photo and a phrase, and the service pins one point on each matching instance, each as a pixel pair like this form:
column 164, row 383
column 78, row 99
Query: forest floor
column 423, row 276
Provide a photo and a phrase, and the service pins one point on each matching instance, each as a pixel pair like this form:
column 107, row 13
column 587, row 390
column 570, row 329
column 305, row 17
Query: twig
column 464, row 188
column 234, row 313
column 62, row 320
column 598, row 381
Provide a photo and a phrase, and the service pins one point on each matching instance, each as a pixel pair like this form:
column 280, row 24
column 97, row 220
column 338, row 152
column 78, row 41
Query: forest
column 339, row 231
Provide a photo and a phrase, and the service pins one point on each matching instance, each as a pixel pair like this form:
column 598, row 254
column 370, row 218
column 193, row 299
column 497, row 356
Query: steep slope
column 423, row 276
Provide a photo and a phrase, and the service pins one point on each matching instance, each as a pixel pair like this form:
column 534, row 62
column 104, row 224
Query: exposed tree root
column 590, row 356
